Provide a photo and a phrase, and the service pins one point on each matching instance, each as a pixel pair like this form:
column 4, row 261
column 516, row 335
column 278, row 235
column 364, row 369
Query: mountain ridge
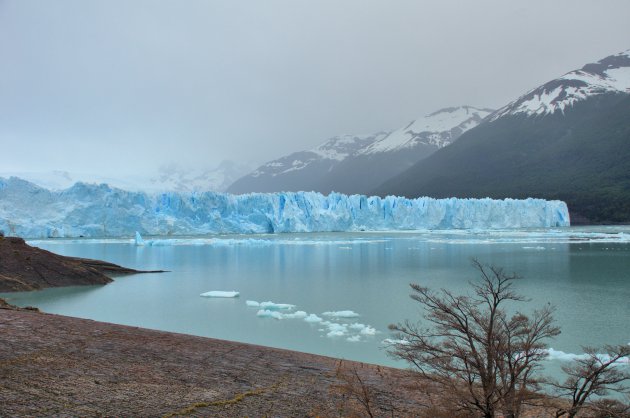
column 351, row 168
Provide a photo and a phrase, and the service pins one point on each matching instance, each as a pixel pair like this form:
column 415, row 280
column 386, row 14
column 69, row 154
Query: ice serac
column 86, row 210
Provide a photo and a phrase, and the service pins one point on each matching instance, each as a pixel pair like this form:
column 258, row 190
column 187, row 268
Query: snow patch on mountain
column 438, row 129
column 332, row 151
column 609, row 75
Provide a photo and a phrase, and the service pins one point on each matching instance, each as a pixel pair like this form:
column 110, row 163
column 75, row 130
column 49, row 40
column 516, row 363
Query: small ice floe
column 269, row 305
column 312, row 318
column 295, row 315
column 561, row 355
column 272, row 306
column 341, row 314
column 363, row 329
column 539, row 248
column 389, row 341
column 220, row 294
column 335, row 330
column 266, row 313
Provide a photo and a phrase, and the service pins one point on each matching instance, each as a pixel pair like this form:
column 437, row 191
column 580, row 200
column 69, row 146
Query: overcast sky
column 121, row 87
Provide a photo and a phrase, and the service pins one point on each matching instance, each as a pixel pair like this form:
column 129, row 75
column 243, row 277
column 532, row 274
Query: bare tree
column 370, row 400
column 597, row 372
column 470, row 347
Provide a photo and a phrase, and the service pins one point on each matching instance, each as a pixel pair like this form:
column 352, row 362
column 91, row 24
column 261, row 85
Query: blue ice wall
column 86, row 210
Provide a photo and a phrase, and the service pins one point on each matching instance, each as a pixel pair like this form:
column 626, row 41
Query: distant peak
column 454, row 109
column 600, row 67
column 608, row 75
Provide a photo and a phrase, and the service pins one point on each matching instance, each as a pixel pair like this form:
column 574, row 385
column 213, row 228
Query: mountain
column 169, row 178
column 356, row 164
column 303, row 170
column 568, row 139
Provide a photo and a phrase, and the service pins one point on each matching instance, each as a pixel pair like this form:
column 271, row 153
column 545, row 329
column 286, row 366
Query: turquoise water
column 584, row 272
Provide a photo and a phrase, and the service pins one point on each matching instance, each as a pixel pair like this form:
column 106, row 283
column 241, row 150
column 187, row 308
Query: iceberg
column 90, row 210
column 341, row 314
column 220, row 294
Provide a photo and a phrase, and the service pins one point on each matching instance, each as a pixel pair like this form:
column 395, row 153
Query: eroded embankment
column 52, row 365
column 23, row 267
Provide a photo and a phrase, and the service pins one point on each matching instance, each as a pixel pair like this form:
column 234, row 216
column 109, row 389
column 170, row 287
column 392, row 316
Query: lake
column 583, row 271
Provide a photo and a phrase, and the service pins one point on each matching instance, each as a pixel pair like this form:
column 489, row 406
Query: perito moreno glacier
column 86, row 210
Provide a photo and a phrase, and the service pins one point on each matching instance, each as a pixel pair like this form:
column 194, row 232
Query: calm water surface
column 585, row 272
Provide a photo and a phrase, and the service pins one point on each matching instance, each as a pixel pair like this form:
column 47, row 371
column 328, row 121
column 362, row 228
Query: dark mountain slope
column 581, row 155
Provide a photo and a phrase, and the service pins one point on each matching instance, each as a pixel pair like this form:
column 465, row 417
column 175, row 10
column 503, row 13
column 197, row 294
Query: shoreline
column 52, row 364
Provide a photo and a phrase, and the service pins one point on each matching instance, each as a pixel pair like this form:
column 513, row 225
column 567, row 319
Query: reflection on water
column 585, row 272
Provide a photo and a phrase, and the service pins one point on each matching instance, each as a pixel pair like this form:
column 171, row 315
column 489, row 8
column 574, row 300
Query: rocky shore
column 23, row 267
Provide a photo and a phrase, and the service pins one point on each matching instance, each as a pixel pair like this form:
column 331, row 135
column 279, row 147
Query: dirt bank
column 55, row 365
column 23, row 267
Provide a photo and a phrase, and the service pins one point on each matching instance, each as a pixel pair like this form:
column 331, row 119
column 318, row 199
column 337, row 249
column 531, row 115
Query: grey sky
column 124, row 86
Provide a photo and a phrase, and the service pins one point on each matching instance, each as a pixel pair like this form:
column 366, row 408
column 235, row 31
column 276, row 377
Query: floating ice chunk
column 220, row 294
column 538, row 248
column 368, row 330
column 389, row 341
column 354, row 339
column 252, row 303
column 295, row 315
column 265, row 313
column 272, row 306
column 335, row 329
column 363, row 329
column 561, row 355
column 312, row 318
column 138, row 240
column 341, row 314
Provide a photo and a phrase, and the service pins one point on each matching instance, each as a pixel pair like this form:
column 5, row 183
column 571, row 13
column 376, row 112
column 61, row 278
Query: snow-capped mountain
column 437, row 129
column 609, row 75
column 568, row 139
column 169, row 178
column 329, row 153
column 357, row 163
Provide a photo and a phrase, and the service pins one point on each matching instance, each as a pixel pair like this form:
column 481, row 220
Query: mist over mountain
column 168, row 178
column 356, row 164
column 568, row 139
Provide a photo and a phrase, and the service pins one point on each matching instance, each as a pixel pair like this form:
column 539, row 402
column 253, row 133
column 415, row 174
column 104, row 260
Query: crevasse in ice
column 89, row 210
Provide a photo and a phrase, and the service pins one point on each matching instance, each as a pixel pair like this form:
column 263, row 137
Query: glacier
column 89, row 210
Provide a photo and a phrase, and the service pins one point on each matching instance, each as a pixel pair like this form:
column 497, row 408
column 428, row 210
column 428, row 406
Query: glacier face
column 29, row 211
